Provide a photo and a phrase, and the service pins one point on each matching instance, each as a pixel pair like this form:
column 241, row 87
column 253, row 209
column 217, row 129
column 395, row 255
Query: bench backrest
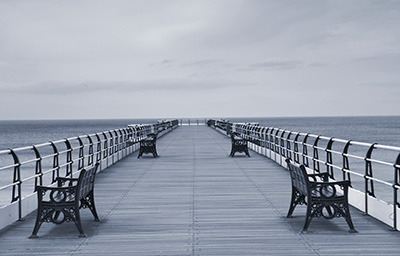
column 86, row 181
column 236, row 140
column 298, row 175
column 152, row 136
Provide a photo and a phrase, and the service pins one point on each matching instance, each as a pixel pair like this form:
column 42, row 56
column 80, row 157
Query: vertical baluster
column 68, row 170
column 346, row 165
column 81, row 161
column 56, row 165
column 305, row 151
column 296, row 149
column 396, row 184
column 316, row 155
column 98, row 151
column 105, row 146
column 288, row 147
column 329, row 158
column 282, row 146
column 369, row 184
column 38, row 168
column 90, row 151
column 16, row 189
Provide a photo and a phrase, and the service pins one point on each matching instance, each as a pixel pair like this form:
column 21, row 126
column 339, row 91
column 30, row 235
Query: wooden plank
column 196, row 200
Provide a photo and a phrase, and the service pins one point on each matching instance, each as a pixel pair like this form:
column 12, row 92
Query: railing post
column 346, row 165
column 288, row 147
column 267, row 142
column 105, row 146
column 369, row 190
column 396, row 184
column 282, row 144
column 329, row 158
column 276, row 142
column 56, row 165
column 17, row 179
column 124, row 139
column 81, row 161
column 111, row 145
column 38, row 168
column 68, row 170
column 98, row 151
column 296, row 149
column 316, row 155
column 305, row 151
column 90, row 151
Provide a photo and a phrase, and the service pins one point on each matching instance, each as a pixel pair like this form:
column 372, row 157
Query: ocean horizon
column 383, row 130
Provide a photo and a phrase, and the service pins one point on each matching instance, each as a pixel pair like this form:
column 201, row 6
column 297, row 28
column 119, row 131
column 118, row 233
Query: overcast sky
column 209, row 58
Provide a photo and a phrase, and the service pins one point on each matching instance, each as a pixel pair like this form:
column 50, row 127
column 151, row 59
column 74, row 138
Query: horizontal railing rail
column 22, row 169
column 373, row 169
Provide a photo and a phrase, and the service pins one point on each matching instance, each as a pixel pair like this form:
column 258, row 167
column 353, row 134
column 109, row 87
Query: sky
column 96, row 59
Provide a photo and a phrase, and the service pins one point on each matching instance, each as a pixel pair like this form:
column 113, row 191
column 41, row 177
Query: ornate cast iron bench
column 62, row 202
column 148, row 145
column 323, row 198
column 238, row 145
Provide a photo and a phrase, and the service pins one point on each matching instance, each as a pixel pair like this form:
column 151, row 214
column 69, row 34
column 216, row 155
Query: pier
column 196, row 200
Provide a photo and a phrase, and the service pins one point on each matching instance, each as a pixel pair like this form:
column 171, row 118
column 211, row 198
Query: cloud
column 277, row 64
column 122, row 87
column 200, row 63
column 317, row 65
column 381, row 84
column 380, row 56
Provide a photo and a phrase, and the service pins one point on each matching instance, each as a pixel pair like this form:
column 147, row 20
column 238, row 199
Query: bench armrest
column 324, row 176
column 329, row 190
column 343, row 183
column 62, row 180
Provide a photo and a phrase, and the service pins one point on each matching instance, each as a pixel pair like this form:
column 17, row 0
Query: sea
column 383, row 130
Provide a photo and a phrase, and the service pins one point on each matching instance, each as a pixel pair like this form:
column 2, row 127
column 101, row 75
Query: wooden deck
column 196, row 200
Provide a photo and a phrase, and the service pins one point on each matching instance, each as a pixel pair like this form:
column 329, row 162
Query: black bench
column 238, row 145
column 323, row 198
column 148, row 145
column 62, row 202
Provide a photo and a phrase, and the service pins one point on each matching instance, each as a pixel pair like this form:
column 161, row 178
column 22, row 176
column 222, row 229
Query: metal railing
column 188, row 121
column 22, row 169
column 373, row 169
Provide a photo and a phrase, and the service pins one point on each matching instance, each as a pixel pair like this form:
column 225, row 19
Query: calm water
column 23, row 133
column 383, row 130
column 378, row 129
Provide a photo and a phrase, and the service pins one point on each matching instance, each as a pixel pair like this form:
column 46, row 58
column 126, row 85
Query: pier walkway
column 196, row 200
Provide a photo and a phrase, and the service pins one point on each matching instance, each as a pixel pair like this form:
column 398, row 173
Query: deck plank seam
column 193, row 229
column 105, row 217
column 306, row 241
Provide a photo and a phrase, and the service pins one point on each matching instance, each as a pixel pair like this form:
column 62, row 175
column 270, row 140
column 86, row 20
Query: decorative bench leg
column 297, row 198
column 78, row 223
column 345, row 212
column 88, row 202
column 310, row 214
column 39, row 222
column 155, row 152
column 247, row 152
